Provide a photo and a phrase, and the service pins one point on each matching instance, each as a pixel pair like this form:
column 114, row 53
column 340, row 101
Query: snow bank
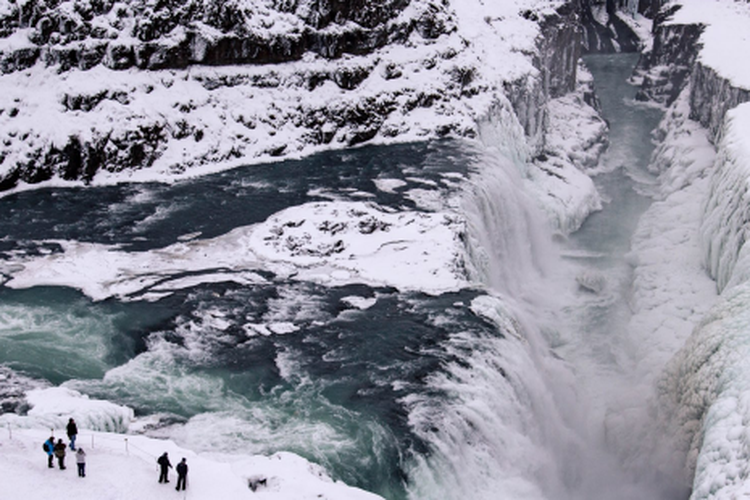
column 575, row 140
column 124, row 465
column 705, row 389
column 724, row 36
column 683, row 153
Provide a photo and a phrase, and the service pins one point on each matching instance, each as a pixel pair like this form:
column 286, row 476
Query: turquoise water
column 417, row 396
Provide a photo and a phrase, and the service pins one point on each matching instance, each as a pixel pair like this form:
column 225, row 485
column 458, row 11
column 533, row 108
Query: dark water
column 332, row 390
column 147, row 216
column 626, row 160
column 414, row 396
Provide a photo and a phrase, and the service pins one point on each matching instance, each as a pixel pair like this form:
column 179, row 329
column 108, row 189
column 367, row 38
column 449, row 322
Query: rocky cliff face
column 176, row 34
column 666, row 68
column 102, row 86
column 711, row 96
column 556, row 59
column 673, row 64
column 604, row 31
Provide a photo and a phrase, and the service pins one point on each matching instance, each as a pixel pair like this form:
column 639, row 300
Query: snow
column 725, row 223
column 327, row 242
column 121, row 465
column 338, row 242
column 684, row 152
column 725, row 35
column 575, row 141
column 214, row 118
column 705, row 388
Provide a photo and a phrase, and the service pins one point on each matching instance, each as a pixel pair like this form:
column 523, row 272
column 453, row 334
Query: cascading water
column 495, row 391
column 517, row 421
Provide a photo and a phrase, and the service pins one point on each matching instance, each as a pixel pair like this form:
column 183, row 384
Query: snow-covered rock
column 138, row 90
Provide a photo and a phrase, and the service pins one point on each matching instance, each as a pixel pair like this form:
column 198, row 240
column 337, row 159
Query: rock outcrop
column 673, row 64
column 175, row 34
column 666, row 68
column 97, row 86
column 604, row 31
column 711, row 96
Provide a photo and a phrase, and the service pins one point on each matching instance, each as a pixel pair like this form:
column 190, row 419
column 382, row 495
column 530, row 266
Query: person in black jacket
column 60, row 453
column 164, row 466
column 182, row 470
column 72, row 429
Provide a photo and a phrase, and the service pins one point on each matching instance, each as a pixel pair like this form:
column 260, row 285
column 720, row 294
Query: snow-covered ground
column 696, row 233
column 708, row 380
column 724, row 37
column 206, row 118
column 123, row 466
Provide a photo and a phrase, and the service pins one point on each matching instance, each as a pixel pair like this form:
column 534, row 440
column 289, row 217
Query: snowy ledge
column 125, row 462
column 723, row 38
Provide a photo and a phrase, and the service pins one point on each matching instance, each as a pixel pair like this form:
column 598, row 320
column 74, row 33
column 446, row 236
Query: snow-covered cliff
column 106, row 91
column 702, row 162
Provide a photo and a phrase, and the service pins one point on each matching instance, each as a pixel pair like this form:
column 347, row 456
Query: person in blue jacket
column 49, row 448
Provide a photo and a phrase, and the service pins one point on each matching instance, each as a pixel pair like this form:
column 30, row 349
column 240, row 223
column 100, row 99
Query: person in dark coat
column 81, row 462
column 50, row 450
column 60, row 453
column 72, row 429
column 164, row 466
column 182, row 470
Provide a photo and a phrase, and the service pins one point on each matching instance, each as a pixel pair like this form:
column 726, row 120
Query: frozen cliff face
column 702, row 158
column 725, row 226
column 705, row 389
column 697, row 42
column 604, row 31
column 666, row 68
column 555, row 56
column 711, row 96
column 241, row 81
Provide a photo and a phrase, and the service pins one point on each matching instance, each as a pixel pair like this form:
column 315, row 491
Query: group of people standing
column 165, row 465
column 58, row 449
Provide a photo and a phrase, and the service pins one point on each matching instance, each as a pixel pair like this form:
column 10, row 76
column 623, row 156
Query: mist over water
column 501, row 391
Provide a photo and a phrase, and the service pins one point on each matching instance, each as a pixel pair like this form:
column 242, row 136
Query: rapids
column 495, row 390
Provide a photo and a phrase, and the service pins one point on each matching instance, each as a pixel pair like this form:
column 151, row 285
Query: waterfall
column 498, row 430
column 526, row 407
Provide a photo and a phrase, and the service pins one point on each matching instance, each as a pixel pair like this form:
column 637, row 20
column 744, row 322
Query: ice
column 725, row 224
column 327, row 242
column 724, row 36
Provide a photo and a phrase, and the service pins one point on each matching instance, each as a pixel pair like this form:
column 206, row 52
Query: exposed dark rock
column 666, row 68
column 557, row 61
column 174, row 34
column 711, row 96
column 612, row 36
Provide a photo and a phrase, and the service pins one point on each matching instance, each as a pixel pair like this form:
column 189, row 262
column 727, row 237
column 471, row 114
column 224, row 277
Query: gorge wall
column 703, row 154
column 171, row 88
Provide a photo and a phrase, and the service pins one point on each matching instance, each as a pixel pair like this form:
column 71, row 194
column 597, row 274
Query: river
column 404, row 393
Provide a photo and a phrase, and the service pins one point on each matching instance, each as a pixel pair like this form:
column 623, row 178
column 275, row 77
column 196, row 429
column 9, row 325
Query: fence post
column 10, row 432
column 92, row 441
column 127, row 451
